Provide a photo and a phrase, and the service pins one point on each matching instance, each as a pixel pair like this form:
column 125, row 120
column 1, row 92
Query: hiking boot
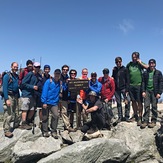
column 134, row 118
column 54, row 135
column 139, row 121
column 119, row 120
column 45, row 134
column 70, row 129
column 9, row 134
column 152, row 124
column 25, row 126
column 143, row 125
column 92, row 130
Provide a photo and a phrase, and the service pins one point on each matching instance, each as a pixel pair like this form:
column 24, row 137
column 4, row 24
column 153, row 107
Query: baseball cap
column 57, row 71
column 152, row 60
column 36, row 64
column 92, row 93
column 46, row 66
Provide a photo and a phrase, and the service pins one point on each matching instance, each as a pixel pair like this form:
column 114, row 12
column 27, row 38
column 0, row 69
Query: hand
column 158, row 96
column 8, row 103
column 44, row 106
column 106, row 100
column 35, row 88
column 139, row 61
column 144, row 94
column 79, row 100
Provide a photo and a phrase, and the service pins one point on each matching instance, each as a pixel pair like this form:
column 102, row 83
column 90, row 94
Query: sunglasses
column 93, row 76
column 65, row 69
column 73, row 73
column 118, row 62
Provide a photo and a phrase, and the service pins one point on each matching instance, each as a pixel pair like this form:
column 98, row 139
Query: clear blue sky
column 80, row 33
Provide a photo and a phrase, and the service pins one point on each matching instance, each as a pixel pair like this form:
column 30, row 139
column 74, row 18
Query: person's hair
column 65, row 66
column 84, row 69
column 136, row 53
column 118, row 59
column 13, row 63
column 72, row 71
column 29, row 62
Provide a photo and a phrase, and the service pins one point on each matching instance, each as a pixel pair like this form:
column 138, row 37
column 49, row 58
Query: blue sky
column 80, row 33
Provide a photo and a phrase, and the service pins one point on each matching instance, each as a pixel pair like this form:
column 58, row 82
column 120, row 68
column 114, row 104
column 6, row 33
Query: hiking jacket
column 63, row 80
column 96, row 87
column 157, row 81
column 108, row 88
column 28, row 82
column 10, row 85
column 50, row 92
column 121, row 78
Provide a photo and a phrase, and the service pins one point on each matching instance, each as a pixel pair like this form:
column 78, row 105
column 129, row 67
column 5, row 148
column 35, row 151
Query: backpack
column 108, row 115
column 1, row 80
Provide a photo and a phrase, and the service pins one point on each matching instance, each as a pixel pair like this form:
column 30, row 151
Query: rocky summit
column 125, row 142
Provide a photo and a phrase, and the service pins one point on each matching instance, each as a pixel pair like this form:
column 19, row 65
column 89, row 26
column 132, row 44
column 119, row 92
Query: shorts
column 27, row 103
column 135, row 93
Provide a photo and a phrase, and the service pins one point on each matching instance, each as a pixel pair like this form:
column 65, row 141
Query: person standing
column 135, row 69
column 108, row 87
column 10, row 97
column 64, row 98
column 152, row 87
column 29, row 86
column 121, row 79
column 72, row 98
column 50, row 100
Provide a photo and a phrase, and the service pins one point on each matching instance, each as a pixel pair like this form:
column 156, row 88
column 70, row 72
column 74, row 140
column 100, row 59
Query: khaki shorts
column 27, row 103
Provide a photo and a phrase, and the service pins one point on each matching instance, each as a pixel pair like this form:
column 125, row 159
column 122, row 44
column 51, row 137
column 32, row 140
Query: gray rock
column 34, row 150
column 96, row 150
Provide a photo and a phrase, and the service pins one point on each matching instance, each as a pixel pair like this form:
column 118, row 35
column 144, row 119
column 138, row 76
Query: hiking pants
column 54, row 119
column 95, row 123
column 10, row 113
column 64, row 113
column 118, row 96
column 150, row 100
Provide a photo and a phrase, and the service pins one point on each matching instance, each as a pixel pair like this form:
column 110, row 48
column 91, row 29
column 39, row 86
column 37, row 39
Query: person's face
column 106, row 75
column 57, row 76
column 65, row 70
column 37, row 69
column 93, row 77
column 14, row 67
column 152, row 65
column 30, row 67
column 46, row 70
column 73, row 75
column 92, row 98
column 119, row 63
column 134, row 58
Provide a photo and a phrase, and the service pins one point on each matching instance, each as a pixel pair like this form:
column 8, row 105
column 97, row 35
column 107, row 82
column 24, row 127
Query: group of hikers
column 32, row 89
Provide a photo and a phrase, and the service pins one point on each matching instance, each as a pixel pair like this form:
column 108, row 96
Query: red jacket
column 108, row 88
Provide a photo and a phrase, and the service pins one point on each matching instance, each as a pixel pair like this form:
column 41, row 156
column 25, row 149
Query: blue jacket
column 28, row 82
column 96, row 87
column 10, row 84
column 50, row 92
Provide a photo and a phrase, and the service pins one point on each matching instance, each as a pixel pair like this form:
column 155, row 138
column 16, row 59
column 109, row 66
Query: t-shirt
column 150, row 81
column 135, row 73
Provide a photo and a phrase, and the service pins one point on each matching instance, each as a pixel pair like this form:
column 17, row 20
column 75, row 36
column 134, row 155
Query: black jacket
column 157, row 81
column 121, row 78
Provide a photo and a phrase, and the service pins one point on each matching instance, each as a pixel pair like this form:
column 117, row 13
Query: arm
column 142, row 64
column 44, row 94
column 5, row 86
column 26, row 81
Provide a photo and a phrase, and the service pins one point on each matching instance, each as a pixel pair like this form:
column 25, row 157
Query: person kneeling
column 94, row 107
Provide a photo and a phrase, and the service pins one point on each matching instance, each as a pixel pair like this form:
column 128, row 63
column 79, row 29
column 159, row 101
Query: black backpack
column 108, row 114
column 1, row 80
